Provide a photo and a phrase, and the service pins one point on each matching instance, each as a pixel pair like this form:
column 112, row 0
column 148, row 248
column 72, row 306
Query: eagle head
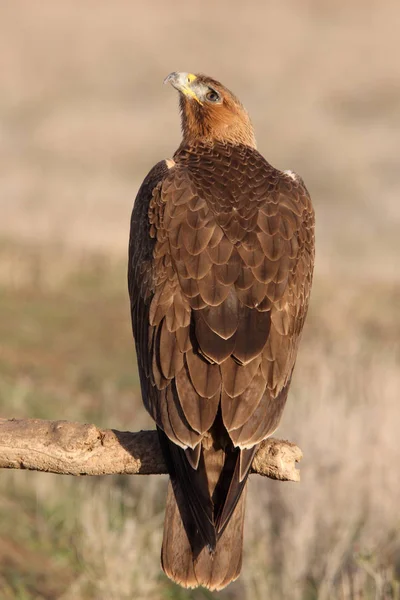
column 210, row 112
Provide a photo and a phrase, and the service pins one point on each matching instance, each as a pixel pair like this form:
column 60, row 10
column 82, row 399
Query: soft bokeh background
column 83, row 117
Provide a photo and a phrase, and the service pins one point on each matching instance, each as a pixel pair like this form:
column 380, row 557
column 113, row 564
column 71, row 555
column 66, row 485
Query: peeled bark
column 69, row 448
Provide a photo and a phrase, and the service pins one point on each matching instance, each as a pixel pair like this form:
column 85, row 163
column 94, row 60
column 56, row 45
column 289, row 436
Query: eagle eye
column 212, row 96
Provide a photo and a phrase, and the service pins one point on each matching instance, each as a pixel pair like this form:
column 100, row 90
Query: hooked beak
column 183, row 83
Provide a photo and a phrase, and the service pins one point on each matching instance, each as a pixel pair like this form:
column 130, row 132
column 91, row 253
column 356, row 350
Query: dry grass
column 81, row 111
column 337, row 531
column 340, row 529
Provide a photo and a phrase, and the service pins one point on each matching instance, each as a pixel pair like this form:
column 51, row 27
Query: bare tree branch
column 70, row 448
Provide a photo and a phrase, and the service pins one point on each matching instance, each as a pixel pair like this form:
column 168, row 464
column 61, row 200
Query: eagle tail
column 207, row 567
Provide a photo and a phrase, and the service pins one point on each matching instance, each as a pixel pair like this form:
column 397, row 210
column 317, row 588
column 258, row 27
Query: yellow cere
column 188, row 91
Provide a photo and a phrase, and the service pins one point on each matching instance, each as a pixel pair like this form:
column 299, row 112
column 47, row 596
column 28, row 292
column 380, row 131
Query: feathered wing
column 221, row 260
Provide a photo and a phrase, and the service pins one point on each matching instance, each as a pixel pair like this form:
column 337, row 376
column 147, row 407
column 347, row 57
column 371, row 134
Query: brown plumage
column 221, row 258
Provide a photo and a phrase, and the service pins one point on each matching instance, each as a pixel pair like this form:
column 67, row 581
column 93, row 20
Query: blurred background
column 83, row 118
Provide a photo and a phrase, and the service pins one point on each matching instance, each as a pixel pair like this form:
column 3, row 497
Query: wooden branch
column 70, row 448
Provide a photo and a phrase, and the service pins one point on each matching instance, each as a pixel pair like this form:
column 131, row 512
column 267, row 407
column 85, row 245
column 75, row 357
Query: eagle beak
column 183, row 83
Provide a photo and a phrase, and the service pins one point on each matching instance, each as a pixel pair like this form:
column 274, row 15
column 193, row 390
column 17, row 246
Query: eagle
column 221, row 258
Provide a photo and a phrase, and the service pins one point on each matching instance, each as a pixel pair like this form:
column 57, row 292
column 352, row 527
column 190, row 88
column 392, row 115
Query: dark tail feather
column 211, row 569
column 203, row 528
column 226, row 502
column 191, row 490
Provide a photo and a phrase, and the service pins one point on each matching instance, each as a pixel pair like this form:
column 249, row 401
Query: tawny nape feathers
column 221, row 259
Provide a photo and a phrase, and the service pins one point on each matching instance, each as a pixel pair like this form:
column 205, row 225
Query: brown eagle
column 221, row 258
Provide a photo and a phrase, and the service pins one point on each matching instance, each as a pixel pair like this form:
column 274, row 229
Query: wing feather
column 213, row 346
column 220, row 270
